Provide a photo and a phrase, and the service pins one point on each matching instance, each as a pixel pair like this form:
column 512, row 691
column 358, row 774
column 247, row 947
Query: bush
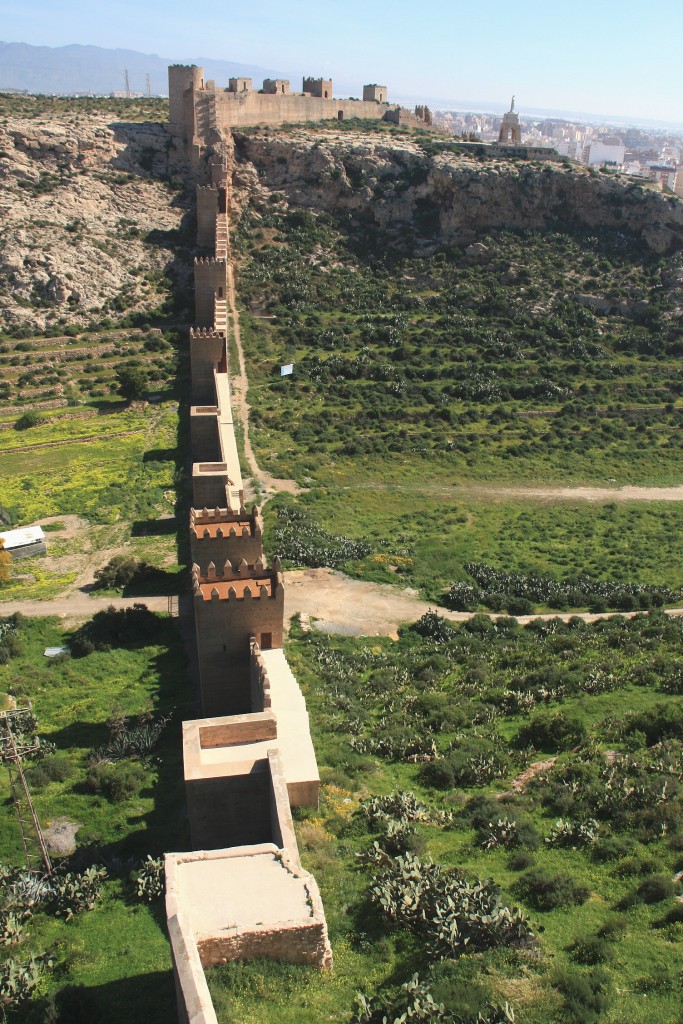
column 553, row 731
column 521, row 861
column 115, row 627
column 612, row 848
column 585, row 995
column 453, row 915
column 545, row 891
column 149, row 879
column 75, row 893
column 591, row 950
column 655, row 889
column 56, row 768
column 121, row 571
column 31, row 418
column 116, row 782
column 20, row 979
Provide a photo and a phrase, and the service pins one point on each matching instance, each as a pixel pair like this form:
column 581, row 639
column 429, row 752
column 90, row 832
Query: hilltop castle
column 199, row 110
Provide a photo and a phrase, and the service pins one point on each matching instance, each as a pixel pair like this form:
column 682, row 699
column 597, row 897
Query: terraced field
column 90, row 453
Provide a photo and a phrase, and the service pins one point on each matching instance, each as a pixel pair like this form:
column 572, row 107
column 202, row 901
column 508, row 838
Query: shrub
column 545, row 891
column 553, row 731
column 585, row 994
column 75, row 893
column 115, row 627
column 434, row 627
column 655, row 889
column 121, row 571
column 55, row 768
column 30, row 418
column 591, row 950
column 131, row 382
column 149, row 879
column 521, row 861
column 116, row 782
column 414, row 1001
column 612, row 848
column 573, row 833
column 19, row 979
column 454, row 915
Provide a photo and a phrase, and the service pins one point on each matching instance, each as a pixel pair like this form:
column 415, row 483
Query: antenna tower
column 127, row 89
column 149, row 86
column 17, row 738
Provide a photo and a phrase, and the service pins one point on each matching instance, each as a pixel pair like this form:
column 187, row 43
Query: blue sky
column 603, row 56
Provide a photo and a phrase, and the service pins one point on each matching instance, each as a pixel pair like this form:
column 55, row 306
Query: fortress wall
column 245, row 893
column 207, row 212
column 221, row 549
column 210, row 282
column 240, row 110
column 207, row 350
column 224, row 630
column 234, row 810
column 204, row 437
column 210, row 484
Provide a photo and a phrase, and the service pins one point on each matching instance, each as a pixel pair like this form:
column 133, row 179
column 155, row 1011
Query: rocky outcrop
column 88, row 216
column 454, row 198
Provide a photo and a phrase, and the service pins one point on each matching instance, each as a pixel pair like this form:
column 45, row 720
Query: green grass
column 369, row 688
column 428, row 536
column 487, row 372
column 119, row 951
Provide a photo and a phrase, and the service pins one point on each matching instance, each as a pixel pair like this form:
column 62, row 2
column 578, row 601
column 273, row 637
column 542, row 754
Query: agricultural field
column 422, row 745
column 72, row 446
column 109, row 712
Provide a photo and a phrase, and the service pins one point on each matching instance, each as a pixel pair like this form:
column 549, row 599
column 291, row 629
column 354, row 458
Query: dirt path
column 79, row 606
column 597, row 494
column 238, row 381
column 359, row 608
column 338, row 603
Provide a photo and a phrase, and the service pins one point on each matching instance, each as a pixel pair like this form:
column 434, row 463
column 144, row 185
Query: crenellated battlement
column 206, row 332
column 237, row 580
column 216, row 523
column 237, row 570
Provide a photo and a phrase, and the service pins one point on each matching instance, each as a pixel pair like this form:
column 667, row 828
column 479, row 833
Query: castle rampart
column 201, row 112
column 241, row 892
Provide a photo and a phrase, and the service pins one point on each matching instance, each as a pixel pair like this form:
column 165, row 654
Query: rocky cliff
column 90, row 216
column 396, row 184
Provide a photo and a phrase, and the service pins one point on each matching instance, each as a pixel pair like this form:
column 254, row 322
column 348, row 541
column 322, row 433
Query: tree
column 131, row 382
column 5, row 563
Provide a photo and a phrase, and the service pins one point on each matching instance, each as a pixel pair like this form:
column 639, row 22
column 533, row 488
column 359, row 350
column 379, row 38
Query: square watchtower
column 319, row 87
column 375, row 93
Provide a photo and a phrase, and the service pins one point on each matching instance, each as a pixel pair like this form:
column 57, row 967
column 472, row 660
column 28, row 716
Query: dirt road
column 269, row 484
column 338, row 603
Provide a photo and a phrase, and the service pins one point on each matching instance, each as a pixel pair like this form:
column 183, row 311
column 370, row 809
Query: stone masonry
column 240, row 892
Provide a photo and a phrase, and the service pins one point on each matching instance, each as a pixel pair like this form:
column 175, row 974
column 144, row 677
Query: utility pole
column 17, row 738
column 127, row 89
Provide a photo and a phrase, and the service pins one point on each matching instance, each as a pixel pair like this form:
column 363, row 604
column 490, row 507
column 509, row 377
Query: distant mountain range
column 82, row 69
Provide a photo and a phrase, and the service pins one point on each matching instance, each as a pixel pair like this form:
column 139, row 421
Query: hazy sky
column 600, row 56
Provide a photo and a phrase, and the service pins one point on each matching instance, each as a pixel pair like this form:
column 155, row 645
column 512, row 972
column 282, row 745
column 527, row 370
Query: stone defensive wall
column 241, row 891
column 200, row 111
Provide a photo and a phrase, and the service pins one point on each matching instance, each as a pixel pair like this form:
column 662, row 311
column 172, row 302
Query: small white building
column 23, row 543
column 605, row 153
